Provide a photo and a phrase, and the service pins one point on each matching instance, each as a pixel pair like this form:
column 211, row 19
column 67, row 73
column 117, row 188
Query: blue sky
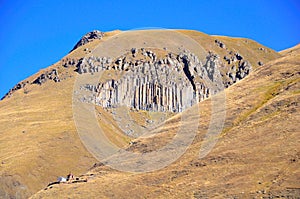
column 36, row 34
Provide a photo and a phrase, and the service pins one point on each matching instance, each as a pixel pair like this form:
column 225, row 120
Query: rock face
column 150, row 81
column 148, row 86
column 93, row 64
column 237, row 69
column 68, row 62
column 15, row 88
column 48, row 75
column 52, row 75
column 169, row 83
column 96, row 34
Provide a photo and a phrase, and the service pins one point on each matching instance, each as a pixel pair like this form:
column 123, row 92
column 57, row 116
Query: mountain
column 256, row 154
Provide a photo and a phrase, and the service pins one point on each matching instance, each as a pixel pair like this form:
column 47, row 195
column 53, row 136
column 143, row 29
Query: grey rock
column 220, row 44
column 166, row 84
column 96, row 34
column 227, row 59
column 49, row 75
column 15, row 88
column 134, row 52
column 238, row 56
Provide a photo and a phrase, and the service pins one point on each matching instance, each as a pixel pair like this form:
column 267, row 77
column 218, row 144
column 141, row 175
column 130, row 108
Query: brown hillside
column 39, row 141
column 257, row 154
column 293, row 51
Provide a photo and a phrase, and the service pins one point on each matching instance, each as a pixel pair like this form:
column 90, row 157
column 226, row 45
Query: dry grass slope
column 38, row 139
column 257, row 156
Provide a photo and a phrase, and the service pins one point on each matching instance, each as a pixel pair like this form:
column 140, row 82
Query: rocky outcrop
column 152, row 81
column 96, row 34
column 69, row 62
column 220, row 43
column 236, row 68
column 149, row 87
column 48, row 75
column 171, row 83
column 51, row 75
column 15, row 88
column 93, row 64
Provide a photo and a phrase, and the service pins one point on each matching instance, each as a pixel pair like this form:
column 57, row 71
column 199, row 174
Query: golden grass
column 249, row 49
column 253, row 156
column 38, row 139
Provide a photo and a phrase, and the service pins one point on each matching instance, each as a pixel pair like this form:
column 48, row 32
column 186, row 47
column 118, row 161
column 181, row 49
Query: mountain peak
column 90, row 36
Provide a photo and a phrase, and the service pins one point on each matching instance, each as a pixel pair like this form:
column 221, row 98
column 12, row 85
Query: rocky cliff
column 153, row 82
column 165, row 82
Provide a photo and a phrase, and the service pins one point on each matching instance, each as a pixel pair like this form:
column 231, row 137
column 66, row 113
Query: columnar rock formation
column 148, row 88
column 165, row 82
column 154, row 79
column 169, row 83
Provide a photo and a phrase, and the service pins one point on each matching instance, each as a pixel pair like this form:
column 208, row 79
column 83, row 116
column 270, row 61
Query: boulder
column 220, row 44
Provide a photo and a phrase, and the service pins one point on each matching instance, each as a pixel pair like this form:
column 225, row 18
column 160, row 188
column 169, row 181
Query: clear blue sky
column 36, row 34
